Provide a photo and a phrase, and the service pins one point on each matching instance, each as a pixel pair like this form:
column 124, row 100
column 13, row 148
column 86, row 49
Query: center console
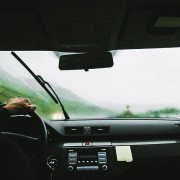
column 87, row 159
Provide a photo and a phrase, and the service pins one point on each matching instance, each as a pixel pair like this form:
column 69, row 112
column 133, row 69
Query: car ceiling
column 88, row 25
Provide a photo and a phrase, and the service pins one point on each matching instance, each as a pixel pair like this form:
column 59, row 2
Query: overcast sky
column 138, row 76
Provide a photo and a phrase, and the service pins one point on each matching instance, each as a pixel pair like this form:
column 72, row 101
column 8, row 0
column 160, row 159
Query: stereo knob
column 70, row 168
column 104, row 168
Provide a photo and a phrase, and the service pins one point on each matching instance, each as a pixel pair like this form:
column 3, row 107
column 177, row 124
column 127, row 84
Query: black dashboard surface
column 154, row 145
column 121, row 126
column 132, row 148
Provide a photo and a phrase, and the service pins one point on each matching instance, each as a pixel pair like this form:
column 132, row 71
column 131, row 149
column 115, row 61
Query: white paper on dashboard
column 123, row 153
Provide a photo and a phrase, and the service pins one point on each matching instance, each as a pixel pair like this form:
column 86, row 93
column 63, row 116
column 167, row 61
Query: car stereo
column 87, row 159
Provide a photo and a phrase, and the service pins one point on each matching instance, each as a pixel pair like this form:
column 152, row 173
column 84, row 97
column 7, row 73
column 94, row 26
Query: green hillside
column 164, row 112
column 45, row 106
column 13, row 86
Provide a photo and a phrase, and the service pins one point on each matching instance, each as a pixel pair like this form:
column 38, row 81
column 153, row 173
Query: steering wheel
column 40, row 141
column 14, row 163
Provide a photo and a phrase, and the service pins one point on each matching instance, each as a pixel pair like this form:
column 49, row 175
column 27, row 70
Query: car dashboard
column 113, row 148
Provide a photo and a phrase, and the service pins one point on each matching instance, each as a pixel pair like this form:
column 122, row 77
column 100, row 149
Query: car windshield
column 141, row 84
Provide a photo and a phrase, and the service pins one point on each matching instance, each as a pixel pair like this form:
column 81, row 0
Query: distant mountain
column 5, row 76
column 63, row 93
column 75, row 105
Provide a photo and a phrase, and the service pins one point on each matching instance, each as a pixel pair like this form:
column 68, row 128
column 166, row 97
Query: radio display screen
column 87, row 153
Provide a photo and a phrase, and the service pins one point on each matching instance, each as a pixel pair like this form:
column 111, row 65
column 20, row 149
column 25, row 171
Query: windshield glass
column 142, row 83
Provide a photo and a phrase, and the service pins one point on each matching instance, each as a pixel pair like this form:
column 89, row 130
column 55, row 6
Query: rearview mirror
column 86, row 61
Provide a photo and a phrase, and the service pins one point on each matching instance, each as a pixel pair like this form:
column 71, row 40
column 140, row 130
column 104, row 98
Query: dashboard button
column 87, row 143
column 73, row 154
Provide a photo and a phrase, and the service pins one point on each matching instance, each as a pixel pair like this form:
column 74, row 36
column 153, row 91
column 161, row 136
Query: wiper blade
column 43, row 83
column 57, row 98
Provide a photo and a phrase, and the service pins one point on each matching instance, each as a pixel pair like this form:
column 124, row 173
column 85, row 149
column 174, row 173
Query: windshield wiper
column 43, row 83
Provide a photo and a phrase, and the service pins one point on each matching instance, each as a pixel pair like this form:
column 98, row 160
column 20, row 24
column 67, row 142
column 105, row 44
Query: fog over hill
column 63, row 93
column 30, row 88
column 35, row 86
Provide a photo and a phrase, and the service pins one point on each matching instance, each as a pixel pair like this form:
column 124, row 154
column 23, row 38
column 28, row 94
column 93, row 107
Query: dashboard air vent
column 74, row 130
column 100, row 130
